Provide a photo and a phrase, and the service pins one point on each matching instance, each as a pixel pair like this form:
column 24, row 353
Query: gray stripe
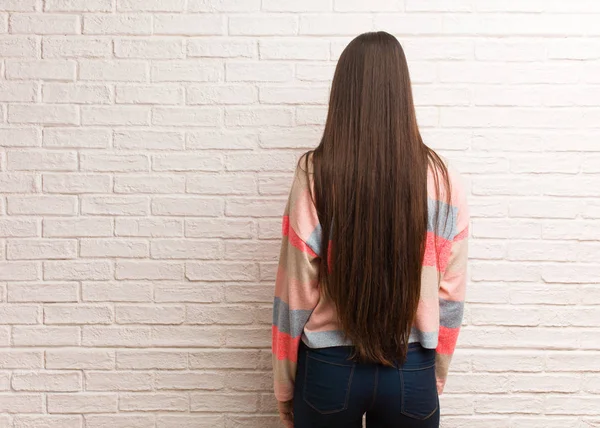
column 451, row 313
column 314, row 240
column 427, row 340
column 290, row 322
column 447, row 217
column 327, row 339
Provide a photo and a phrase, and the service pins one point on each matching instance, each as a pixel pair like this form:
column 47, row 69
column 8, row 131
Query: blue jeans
column 333, row 391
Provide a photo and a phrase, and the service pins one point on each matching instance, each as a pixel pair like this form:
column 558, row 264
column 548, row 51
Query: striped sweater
column 301, row 311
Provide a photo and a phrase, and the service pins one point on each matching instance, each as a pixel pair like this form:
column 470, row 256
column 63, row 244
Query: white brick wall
column 147, row 151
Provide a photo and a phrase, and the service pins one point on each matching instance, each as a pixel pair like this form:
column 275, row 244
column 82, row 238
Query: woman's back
column 373, row 260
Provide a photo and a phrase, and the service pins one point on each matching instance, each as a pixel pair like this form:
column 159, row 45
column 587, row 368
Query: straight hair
column 370, row 175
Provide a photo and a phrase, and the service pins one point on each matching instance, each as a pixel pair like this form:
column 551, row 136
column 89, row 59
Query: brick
column 12, row 228
column 222, row 184
column 282, row 161
column 294, row 49
column 79, row 5
column 19, row 314
column 153, row 140
column 76, row 358
column 410, row 24
column 221, row 228
column 263, row 25
column 115, row 205
column 263, row 116
column 183, row 336
column 107, row 162
column 77, row 227
column 76, row 138
column 186, row 116
column 19, row 5
column 149, row 227
column 317, row 72
column 20, row 137
column 43, row 114
column 225, row 47
column 317, row 116
column 121, row 24
column 189, row 380
column 222, row 94
column 258, row 71
column 222, row 403
column 115, row 336
column 150, row 5
column 154, row 402
column 74, row 184
column 18, row 183
column 19, row 359
column 149, row 94
column 223, row 5
column 293, row 6
column 115, row 115
column 82, row 403
column 221, row 271
column 150, row 314
column 77, row 270
column 18, row 47
column 335, row 24
column 151, row 360
column 154, row 184
column 217, row 139
column 118, row 381
column 64, row 93
column 76, row 47
column 18, row 91
column 77, row 314
column 44, row 24
column 177, row 162
column 109, row 248
column 41, row 160
column 294, row 95
column 209, row 314
column 188, row 206
column 21, row 403
column 42, row 205
column 47, row 421
column 149, row 270
column 117, row 71
column 259, row 207
column 188, row 292
column 121, row 291
column 47, row 292
column 149, row 48
column 189, row 25
column 185, row 249
column 242, row 250
column 40, row 249
column 187, row 71
column 119, row 421
column 47, row 381
column 45, row 336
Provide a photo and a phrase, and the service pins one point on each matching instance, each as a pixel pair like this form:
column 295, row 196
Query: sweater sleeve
column 296, row 287
column 452, row 291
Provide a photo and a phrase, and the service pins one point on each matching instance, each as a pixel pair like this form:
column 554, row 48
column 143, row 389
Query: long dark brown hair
column 370, row 190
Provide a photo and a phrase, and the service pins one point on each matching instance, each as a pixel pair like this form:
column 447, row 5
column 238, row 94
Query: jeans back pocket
column 327, row 384
column 419, row 392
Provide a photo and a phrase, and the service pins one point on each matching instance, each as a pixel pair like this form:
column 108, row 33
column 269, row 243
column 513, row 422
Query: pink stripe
column 431, row 253
column 284, row 346
column 462, row 235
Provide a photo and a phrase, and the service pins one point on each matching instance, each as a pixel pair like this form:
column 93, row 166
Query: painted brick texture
column 147, row 150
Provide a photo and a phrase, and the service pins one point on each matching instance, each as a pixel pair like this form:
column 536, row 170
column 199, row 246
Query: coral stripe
column 447, row 340
column 294, row 239
column 284, row 346
column 462, row 235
